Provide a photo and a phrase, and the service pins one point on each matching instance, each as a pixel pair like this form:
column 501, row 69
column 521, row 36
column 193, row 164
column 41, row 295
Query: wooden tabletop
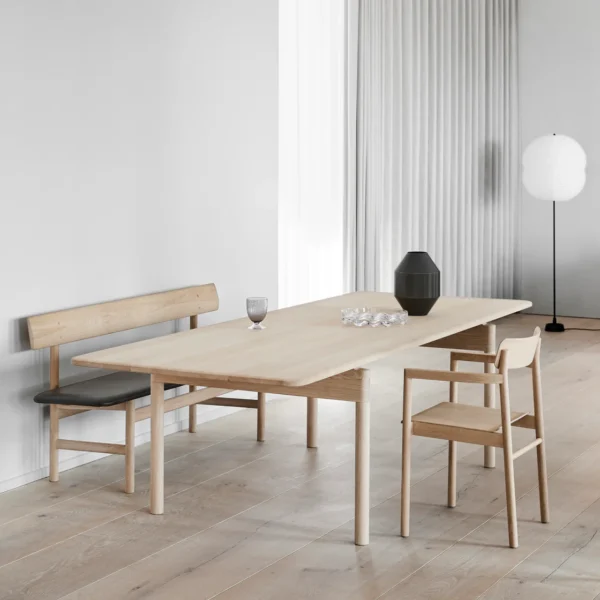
column 300, row 345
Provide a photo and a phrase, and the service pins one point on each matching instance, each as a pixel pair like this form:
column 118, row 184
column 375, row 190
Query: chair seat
column 465, row 416
column 107, row 390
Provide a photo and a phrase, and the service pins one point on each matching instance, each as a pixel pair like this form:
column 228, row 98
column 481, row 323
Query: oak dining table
column 305, row 351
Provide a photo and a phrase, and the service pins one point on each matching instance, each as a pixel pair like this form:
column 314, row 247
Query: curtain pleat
column 436, row 162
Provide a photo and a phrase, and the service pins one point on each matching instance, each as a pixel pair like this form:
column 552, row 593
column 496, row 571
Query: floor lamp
column 554, row 169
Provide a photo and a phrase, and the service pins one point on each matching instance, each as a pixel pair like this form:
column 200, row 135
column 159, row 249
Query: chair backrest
column 71, row 325
column 520, row 352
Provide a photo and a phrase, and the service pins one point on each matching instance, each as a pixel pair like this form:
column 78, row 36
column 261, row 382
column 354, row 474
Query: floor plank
column 270, row 521
column 339, row 570
column 480, row 559
column 569, row 561
column 45, row 527
column 201, row 507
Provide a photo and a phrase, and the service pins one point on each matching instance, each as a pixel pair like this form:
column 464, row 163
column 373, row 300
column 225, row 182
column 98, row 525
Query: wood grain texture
column 479, row 425
column 538, row 409
column 357, row 384
column 53, row 457
column 489, row 394
column 407, row 428
column 518, row 453
column 130, row 447
column 64, row 412
column 301, row 345
column 457, row 434
column 362, row 465
column 451, row 414
column 520, row 351
column 67, row 410
column 453, row 376
column 90, row 446
column 312, row 422
column 475, row 338
column 157, row 444
column 53, row 442
column 345, row 386
column 473, row 357
column 192, row 412
column 236, row 402
column 507, row 451
column 71, row 325
column 565, row 567
column 182, row 401
column 54, row 367
column 261, row 416
column 526, row 422
column 452, row 445
column 221, row 540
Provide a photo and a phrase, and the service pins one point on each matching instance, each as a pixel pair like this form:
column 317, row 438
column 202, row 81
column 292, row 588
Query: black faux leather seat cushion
column 107, row 390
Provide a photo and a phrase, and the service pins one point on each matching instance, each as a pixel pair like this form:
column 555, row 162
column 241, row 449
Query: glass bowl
column 373, row 317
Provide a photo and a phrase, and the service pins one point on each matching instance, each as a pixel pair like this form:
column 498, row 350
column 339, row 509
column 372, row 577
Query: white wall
column 138, row 152
column 560, row 93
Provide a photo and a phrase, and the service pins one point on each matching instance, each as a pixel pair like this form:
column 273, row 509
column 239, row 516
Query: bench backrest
column 71, row 325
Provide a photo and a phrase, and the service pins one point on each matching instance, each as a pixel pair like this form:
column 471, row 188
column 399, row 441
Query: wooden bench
column 119, row 391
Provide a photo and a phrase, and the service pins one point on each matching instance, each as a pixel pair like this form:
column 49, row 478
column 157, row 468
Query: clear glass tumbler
column 257, row 311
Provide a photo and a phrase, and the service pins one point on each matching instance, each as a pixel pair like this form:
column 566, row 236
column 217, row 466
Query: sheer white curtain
column 311, row 149
column 436, row 165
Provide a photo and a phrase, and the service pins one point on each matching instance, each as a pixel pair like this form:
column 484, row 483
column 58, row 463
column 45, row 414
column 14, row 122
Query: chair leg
column 511, row 502
column 130, row 447
column 406, row 452
column 543, row 483
column 452, row 447
column 489, row 400
column 261, row 417
column 539, row 433
column 509, row 472
column 53, row 439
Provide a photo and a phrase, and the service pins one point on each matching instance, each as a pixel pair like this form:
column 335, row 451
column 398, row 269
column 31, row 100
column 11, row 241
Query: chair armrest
column 473, row 357
column 453, row 376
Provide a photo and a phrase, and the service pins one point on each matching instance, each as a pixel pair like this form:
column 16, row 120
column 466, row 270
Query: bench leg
column 261, row 417
column 53, row 445
column 130, row 447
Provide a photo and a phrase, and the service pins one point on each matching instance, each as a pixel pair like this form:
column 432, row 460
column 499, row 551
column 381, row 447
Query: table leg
column 312, row 416
column 489, row 395
column 362, row 477
column 192, row 412
column 261, row 417
column 157, row 448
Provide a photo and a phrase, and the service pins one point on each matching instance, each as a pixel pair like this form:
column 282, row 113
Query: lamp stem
column 554, row 260
column 554, row 326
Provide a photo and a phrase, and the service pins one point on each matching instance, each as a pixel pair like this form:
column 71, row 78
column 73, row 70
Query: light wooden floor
column 273, row 521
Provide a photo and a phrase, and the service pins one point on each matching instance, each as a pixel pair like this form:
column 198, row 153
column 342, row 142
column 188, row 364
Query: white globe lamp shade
column 554, row 168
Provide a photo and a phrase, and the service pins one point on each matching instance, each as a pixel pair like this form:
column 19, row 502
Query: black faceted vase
column 417, row 283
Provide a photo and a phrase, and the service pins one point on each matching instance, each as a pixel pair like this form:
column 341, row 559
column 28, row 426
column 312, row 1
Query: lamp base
column 555, row 327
